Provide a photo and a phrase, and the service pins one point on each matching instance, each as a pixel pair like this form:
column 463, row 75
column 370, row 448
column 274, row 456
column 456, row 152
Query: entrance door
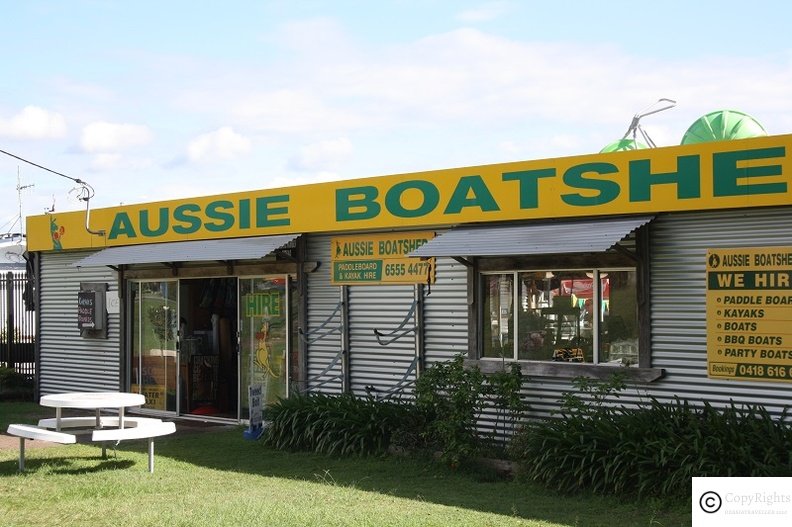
column 154, row 338
column 208, row 357
column 264, row 337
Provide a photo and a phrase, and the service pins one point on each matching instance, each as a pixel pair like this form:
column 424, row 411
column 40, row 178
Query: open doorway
column 208, row 347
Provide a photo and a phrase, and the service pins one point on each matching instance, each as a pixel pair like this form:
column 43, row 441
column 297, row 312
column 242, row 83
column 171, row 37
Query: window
column 584, row 316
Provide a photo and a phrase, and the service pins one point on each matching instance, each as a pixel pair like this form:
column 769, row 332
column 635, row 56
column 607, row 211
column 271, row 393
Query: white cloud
column 324, row 156
column 483, row 13
column 293, row 111
column 34, row 123
column 104, row 137
column 116, row 162
column 223, row 143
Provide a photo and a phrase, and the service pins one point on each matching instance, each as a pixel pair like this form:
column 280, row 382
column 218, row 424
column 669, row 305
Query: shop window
column 580, row 316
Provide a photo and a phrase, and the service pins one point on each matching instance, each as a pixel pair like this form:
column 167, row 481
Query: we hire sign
column 719, row 175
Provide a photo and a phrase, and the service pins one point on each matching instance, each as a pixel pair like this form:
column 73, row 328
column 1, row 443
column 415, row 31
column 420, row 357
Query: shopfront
column 571, row 267
column 193, row 342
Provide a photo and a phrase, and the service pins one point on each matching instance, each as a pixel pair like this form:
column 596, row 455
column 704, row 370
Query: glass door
column 154, row 343
column 263, row 337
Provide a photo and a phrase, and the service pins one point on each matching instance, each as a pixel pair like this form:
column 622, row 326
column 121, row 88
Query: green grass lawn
column 217, row 478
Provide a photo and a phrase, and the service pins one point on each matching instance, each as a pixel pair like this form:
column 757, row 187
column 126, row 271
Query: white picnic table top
column 93, row 400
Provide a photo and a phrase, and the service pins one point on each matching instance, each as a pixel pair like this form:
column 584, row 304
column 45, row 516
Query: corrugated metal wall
column 382, row 307
column 678, row 248
column 69, row 362
column 446, row 313
column 678, row 251
column 322, row 301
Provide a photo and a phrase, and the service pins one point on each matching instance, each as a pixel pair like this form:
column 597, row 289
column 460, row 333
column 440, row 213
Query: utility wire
column 42, row 167
column 88, row 188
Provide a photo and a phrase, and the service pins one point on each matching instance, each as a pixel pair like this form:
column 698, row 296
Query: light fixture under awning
column 589, row 236
column 189, row 251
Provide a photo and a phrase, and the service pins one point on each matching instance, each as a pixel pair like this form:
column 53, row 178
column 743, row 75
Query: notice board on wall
column 92, row 310
column 371, row 259
column 749, row 314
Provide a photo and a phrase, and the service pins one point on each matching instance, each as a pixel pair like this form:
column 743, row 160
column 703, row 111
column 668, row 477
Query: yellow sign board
column 749, row 313
column 380, row 259
column 752, row 172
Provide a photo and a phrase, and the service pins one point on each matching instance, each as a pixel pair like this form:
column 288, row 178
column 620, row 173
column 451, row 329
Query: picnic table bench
column 102, row 429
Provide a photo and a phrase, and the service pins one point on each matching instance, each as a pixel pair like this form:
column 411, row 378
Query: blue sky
column 157, row 100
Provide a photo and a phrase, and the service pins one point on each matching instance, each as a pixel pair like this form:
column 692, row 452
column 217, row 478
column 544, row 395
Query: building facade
column 670, row 265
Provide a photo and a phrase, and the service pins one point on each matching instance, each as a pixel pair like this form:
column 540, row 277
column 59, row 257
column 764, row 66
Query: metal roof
column 189, row 251
column 536, row 238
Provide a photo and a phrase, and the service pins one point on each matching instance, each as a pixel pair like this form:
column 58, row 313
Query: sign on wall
column 749, row 313
column 717, row 175
column 380, row 259
column 90, row 310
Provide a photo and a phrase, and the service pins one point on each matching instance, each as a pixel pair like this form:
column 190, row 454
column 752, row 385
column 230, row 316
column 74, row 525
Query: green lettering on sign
column 529, row 185
column 180, row 215
column 575, row 177
column 264, row 210
column 726, row 173
column 122, row 226
column 687, row 178
column 263, row 304
column 361, row 199
column 471, row 191
column 145, row 225
column 357, row 271
column 215, row 211
column 431, row 197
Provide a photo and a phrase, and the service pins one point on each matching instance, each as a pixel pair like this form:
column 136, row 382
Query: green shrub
column 15, row 386
column 451, row 397
column 503, row 390
column 337, row 424
column 652, row 450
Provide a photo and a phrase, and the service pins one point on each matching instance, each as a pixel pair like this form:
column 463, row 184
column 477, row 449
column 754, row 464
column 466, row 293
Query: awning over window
column 189, row 251
column 532, row 239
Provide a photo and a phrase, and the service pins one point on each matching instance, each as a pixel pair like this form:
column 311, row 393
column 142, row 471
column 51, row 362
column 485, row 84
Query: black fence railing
column 17, row 325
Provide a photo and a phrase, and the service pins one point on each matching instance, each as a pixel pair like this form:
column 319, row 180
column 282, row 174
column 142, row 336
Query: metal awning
column 189, row 251
column 532, row 239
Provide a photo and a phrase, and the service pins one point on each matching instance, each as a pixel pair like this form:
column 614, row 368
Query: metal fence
column 17, row 325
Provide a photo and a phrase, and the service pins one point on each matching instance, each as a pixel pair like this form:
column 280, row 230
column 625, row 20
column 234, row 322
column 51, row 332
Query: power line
column 42, row 167
column 88, row 189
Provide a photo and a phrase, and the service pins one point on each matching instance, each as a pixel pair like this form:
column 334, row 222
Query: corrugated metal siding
column 678, row 244
column 384, row 308
column 70, row 362
column 446, row 313
column 679, row 336
column 322, row 300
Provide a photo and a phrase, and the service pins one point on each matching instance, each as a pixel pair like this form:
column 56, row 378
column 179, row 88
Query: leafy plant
column 451, row 395
column 14, row 385
column 651, row 450
column 503, row 391
column 336, row 424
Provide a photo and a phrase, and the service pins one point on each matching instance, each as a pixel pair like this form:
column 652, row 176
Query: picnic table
column 102, row 429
